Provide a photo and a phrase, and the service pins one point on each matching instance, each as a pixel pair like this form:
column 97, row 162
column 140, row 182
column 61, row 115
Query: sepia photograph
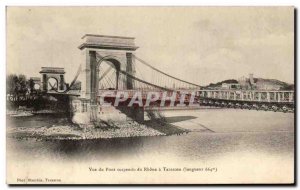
column 150, row 95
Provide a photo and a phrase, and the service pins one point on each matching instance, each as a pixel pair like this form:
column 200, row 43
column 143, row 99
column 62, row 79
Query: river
column 257, row 144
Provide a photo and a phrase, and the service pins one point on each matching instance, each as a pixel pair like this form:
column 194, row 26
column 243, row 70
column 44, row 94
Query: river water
column 236, row 141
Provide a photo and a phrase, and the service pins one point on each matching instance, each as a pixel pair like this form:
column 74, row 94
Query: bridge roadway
column 243, row 99
column 249, row 99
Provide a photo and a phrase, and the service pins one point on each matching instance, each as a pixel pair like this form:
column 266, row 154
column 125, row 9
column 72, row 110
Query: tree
column 16, row 84
column 11, row 82
column 31, row 85
column 23, row 84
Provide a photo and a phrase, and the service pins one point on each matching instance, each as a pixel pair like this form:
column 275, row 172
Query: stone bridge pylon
column 97, row 49
column 55, row 73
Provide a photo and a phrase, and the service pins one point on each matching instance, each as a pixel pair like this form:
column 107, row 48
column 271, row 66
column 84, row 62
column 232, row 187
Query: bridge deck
column 248, row 95
column 226, row 95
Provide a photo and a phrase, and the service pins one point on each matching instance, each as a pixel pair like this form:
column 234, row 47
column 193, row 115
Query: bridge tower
column 56, row 73
column 97, row 49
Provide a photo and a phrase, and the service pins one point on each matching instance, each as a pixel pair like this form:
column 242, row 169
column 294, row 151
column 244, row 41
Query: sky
column 197, row 44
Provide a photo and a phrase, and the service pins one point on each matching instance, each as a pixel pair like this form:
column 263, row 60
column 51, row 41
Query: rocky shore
column 120, row 130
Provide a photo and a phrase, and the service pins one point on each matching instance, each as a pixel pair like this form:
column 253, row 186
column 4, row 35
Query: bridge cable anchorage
column 147, row 64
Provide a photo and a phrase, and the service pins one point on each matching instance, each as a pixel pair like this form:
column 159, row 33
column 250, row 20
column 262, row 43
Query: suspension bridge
column 109, row 63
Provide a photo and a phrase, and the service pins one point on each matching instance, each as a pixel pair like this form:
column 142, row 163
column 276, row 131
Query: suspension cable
column 147, row 64
column 145, row 82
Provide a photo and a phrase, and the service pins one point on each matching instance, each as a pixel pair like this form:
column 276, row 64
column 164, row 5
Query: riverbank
column 73, row 132
column 14, row 112
column 68, row 132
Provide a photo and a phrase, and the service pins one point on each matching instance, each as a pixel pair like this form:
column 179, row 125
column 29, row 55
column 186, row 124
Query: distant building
column 267, row 85
column 252, row 83
column 230, row 86
column 247, row 83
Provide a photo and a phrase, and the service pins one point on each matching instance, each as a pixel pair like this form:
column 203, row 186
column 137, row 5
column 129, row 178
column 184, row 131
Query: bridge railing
column 249, row 95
